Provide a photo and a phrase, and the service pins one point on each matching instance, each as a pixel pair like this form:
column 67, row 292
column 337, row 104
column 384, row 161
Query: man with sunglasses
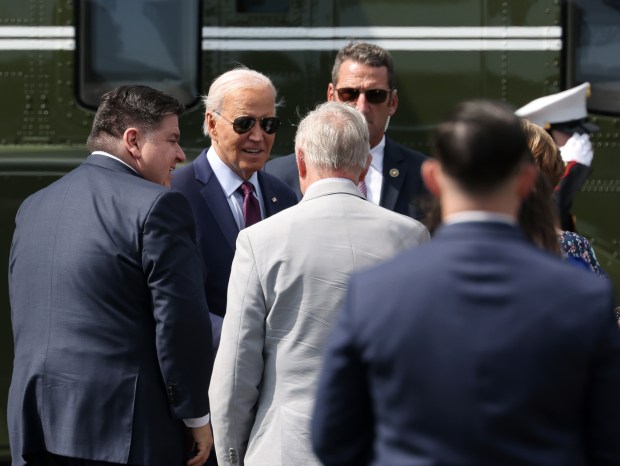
column 363, row 76
column 224, row 184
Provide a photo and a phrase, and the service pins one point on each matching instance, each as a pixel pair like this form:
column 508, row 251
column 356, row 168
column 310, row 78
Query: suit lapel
column 272, row 204
column 394, row 173
column 215, row 200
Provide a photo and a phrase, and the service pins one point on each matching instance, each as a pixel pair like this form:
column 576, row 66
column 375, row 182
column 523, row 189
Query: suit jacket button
column 232, row 455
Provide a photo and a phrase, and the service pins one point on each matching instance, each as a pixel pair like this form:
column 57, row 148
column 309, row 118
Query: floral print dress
column 574, row 245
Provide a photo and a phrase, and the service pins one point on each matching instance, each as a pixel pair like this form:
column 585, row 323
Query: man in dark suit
column 363, row 76
column 110, row 321
column 240, row 119
column 481, row 348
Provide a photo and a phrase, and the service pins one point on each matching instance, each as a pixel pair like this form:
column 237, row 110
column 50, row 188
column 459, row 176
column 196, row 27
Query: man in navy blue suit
column 240, row 119
column 110, row 322
column 480, row 349
column 363, row 76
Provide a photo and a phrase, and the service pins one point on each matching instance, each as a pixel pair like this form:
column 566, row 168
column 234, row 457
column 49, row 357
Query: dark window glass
column 262, row 6
column 151, row 42
column 594, row 37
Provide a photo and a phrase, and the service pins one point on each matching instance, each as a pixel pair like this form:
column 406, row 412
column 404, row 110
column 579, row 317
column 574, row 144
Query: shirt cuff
column 197, row 421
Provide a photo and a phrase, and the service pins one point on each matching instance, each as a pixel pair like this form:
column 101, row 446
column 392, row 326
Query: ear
column 301, row 163
column 527, row 179
column 210, row 124
column 331, row 92
column 431, row 174
column 393, row 105
column 365, row 170
column 131, row 141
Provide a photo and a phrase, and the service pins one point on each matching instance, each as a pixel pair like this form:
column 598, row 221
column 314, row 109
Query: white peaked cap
column 564, row 106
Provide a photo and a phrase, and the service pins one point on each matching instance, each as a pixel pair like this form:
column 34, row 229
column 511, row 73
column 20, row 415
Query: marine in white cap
column 565, row 116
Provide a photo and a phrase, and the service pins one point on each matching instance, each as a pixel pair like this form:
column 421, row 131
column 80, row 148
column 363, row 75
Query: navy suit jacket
column 216, row 229
column 474, row 349
column 109, row 320
column 403, row 189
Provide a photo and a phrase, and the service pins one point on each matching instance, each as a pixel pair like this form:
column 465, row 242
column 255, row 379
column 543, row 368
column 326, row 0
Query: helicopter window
column 594, row 38
column 137, row 42
column 263, row 6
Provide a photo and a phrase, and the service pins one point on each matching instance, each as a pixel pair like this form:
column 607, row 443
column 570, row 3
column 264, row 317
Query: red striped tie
column 362, row 187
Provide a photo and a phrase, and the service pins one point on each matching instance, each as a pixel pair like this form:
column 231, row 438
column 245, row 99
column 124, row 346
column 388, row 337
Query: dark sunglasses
column 243, row 124
column 374, row 96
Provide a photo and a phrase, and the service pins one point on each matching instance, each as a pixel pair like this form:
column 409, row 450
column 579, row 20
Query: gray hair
column 334, row 136
column 229, row 82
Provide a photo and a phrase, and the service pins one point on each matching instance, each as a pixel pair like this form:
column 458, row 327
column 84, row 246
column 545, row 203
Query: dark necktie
column 251, row 208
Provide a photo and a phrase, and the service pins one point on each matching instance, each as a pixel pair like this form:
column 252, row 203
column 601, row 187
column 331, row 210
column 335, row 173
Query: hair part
column 480, row 145
column 231, row 81
column 129, row 106
column 334, row 136
column 367, row 54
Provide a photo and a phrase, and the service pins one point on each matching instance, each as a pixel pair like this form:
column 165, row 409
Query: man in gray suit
column 110, row 321
column 288, row 280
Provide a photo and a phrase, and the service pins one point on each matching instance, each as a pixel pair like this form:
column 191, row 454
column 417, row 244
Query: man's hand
column 203, row 441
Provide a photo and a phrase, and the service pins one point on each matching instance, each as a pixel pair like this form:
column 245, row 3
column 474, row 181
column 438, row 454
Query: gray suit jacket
column 288, row 281
column 111, row 326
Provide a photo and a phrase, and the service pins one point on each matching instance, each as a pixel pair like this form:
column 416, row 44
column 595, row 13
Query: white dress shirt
column 230, row 183
column 479, row 216
column 374, row 177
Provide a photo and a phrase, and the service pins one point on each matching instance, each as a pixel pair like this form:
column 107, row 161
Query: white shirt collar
column 479, row 216
column 100, row 152
column 229, row 180
column 377, row 155
column 323, row 180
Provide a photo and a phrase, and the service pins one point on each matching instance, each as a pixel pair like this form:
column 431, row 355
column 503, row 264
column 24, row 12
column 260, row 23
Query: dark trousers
column 46, row 458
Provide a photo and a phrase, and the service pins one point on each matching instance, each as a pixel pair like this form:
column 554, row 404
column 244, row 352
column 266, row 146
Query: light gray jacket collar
column 327, row 186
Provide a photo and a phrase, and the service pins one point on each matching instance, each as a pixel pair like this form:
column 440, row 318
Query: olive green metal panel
column 43, row 129
column 446, row 12
column 596, row 206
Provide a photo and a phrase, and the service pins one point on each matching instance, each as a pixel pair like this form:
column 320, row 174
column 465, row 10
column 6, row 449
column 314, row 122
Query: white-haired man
column 224, row 184
column 288, row 281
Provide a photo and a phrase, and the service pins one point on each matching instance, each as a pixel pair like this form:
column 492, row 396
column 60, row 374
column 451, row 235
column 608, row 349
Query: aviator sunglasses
column 243, row 124
column 374, row 96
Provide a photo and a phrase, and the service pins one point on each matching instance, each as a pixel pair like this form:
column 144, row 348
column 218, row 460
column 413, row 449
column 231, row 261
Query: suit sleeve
column 603, row 404
column 573, row 179
column 175, row 278
column 342, row 424
column 238, row 369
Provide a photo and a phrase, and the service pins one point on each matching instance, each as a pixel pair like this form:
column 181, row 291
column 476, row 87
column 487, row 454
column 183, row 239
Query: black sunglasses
column 243, row 124
column 374, row 96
